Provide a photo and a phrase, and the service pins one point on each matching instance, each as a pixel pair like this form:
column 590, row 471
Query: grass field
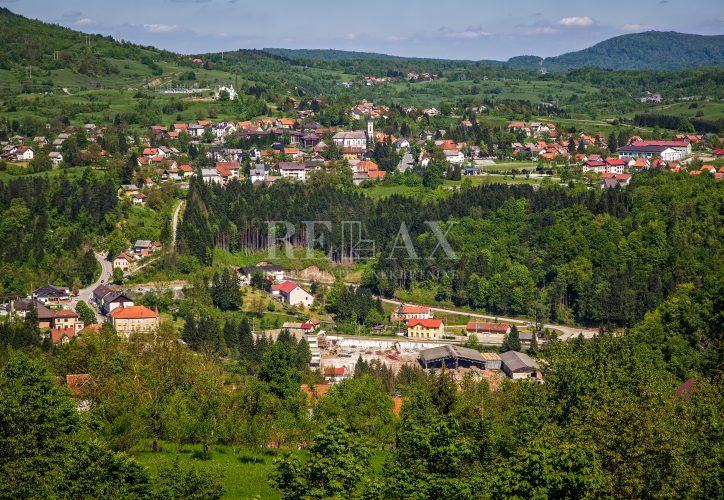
column 244, row 472
column 70, row 172
column 383, row 191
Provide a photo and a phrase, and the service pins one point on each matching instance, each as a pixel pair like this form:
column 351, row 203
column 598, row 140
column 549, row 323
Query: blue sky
column 460, row 29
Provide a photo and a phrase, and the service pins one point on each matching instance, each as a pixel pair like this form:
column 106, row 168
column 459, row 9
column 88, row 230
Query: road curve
column 86, row 294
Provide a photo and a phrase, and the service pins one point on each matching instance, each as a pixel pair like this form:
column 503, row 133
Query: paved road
column 86, row 294
column 567, row 332
column 176, row 214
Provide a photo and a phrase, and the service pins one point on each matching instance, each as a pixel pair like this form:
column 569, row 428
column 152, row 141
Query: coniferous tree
column 511, row 342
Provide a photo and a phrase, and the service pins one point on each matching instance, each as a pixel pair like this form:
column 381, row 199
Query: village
column 293, row 148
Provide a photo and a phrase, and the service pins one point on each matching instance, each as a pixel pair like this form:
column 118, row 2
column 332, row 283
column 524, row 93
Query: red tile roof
column 133, row 312
column 57, row 334
column 484, row 326
column 412, row 309
column 425, row 323
column 285, row 287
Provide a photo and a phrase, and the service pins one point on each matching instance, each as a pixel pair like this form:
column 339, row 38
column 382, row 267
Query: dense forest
column 593, row 257
column 649, row 50
column 45, row 226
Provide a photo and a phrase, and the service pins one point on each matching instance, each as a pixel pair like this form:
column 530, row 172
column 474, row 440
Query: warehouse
column 454, row 356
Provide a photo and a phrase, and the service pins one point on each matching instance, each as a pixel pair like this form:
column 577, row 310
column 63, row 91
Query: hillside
column 652, row 50
column 328, row 54
column 649, row 50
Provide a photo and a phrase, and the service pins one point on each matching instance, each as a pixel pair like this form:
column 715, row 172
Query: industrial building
column 454, row 356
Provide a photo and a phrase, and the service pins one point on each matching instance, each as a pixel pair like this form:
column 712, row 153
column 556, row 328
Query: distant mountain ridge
column 648, row 50
column 655, row 50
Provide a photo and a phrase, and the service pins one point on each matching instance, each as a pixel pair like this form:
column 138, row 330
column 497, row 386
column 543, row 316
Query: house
column 63, row 324
column 333, row 375
column 292, row 294
column 487, row 328
column 138, row 199
column 354, row 139
column 56, row 157
column 142, row 245
column 609, row 180
column 408, row 312
column 517, row 365
column 258, row 173
column 99, row 292
column 271, row 272
column 24, row 153
column 127, row 320
column 123, row 261
column 614, row 165
column 113, row 300
column 51, row 294
column 595, row 166
column 210, row 175
column 298, row 171
column 667, row 150
column 425, row 328
column 67, row 319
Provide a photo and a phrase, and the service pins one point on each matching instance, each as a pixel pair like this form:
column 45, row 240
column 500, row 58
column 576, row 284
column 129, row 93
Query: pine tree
column 190, row 332
column 511, row 342
column 245, row 340
column 612, row 143
column 231, row 335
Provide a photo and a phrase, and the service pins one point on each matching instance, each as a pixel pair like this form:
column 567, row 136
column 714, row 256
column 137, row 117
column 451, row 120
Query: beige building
column 127, row 320
column 425, row 329
column 123, row 262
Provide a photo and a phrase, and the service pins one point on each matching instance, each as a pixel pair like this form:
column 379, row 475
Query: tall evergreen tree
column 511, row 342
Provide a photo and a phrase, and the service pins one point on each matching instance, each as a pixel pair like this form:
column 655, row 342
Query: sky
column 453, row 29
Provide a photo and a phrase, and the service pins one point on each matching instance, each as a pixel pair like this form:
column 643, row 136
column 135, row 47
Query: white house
column 354, row 139
column 24, row 153
column 292, row 294
column 298, row 171
column 210, row 175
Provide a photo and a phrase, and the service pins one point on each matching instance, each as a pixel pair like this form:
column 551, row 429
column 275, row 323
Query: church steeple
column 370, row 130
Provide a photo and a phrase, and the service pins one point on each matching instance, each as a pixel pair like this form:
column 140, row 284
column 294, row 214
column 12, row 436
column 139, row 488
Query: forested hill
column 649, row 50
column 653, row 50
column 329, row 54
column 29, row 42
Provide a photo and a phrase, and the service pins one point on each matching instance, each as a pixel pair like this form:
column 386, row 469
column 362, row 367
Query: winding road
column 86, row 294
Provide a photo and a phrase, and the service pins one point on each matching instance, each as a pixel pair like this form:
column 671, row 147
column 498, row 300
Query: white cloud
column 543, row 30
column 575, row 22
column 160, row 28
column 350, row 36
column 632, row 27
column 85, row 21
column 468, row 33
